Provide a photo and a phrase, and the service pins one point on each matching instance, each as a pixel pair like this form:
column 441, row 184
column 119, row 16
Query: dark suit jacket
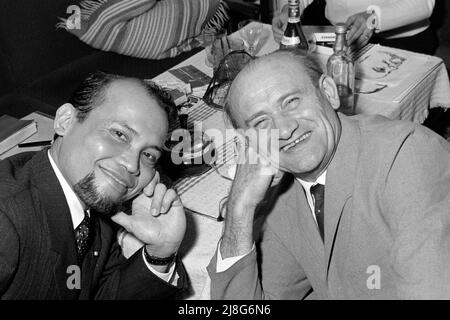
column 387, row 224
column 37, row 244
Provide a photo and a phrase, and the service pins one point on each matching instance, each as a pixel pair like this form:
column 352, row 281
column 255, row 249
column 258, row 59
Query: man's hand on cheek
column 157, row 219
column 254, row 173
column 150, row 187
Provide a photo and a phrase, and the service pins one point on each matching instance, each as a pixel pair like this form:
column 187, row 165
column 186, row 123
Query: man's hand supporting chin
column 157, row 221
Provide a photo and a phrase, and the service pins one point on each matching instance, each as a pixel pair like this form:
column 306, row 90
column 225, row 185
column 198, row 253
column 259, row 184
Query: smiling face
column 276, row 93
column 110, row 156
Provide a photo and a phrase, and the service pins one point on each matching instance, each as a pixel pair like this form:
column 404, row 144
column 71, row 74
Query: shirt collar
column 75, row 206
column 307, row 185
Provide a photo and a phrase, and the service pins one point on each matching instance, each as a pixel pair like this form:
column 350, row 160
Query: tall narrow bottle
column 294, row 37
column 341, row 68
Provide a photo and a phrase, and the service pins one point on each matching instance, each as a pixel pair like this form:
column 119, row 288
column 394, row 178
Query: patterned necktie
column 82, row 237
column 318, row 192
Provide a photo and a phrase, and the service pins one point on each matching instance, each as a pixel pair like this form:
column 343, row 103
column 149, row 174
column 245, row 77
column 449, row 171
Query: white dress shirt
column 224, row 264
column 307, row 187
column 77, row 214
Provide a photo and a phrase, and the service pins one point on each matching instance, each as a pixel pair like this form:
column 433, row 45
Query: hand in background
column 280, row 19
column 254, row 176
column 359, row 34
column 279, row 23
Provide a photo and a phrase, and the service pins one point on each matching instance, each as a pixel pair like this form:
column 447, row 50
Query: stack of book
column 13, row 131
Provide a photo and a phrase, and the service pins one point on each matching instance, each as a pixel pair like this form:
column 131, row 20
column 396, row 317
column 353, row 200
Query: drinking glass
column 220, row 48
column 250, row 31
column 217, row 45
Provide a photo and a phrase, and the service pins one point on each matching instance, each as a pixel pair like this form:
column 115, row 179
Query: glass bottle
column 294, row 37
column 341, row 68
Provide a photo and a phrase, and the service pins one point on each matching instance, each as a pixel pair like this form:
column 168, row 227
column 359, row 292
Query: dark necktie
column 82, row 237
column 318, row 192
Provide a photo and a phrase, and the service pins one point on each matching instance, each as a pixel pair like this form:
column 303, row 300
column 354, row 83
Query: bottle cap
column 340, row 28
column 293, row 2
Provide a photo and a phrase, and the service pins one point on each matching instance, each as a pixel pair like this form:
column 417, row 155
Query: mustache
column 120, row 175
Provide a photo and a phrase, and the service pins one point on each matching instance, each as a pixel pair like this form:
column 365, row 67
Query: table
column 405, row 101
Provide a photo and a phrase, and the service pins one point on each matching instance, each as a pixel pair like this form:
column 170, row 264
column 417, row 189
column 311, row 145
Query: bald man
column 363, row 208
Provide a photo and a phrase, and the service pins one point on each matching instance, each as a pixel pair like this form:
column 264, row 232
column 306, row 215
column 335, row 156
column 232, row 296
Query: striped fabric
column 148, row 29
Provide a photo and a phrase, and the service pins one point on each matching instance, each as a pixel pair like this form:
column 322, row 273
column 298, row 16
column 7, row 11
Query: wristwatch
column 157, row 261
column 373, row 22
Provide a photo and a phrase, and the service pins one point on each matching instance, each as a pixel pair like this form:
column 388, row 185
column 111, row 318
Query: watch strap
column 158, row 261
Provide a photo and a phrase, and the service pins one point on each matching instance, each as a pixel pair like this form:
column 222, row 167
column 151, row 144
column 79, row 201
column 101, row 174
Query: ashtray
column 188, row 153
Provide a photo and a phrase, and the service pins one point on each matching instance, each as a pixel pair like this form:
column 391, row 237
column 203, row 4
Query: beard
column 87, row 190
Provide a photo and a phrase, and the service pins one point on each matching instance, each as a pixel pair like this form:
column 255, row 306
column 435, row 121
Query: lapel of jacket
column 58, row 219
column 339, row 182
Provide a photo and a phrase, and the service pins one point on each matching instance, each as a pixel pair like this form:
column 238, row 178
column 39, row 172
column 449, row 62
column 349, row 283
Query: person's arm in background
column 148, row 29
column 389, row 16
column 280, row 17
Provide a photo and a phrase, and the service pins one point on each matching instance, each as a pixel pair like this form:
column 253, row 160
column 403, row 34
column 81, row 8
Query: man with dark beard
column 57, row 240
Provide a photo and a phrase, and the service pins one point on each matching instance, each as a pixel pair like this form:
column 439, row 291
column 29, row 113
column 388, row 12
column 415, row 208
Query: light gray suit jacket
column 387, row 224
